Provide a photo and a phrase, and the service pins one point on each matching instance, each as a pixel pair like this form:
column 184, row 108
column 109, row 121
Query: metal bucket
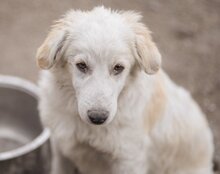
column 24, row 143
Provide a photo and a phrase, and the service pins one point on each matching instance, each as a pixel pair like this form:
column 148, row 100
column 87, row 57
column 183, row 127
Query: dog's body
column 157, row 127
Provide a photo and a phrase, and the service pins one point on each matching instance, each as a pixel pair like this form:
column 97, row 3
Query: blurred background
column 186, row 32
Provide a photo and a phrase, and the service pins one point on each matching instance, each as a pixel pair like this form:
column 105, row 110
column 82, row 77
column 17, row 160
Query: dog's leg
column 60, row 164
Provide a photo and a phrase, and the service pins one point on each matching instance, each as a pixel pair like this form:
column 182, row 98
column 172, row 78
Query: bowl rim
column 31, row 89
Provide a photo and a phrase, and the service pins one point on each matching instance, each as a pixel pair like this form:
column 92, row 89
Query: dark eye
column 118, row 69
column 82, row 67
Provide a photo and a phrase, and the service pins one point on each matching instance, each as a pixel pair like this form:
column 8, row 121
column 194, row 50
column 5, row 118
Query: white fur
column 178, row 141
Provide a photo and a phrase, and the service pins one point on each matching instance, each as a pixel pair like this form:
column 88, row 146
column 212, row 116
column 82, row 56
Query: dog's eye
column 118, row 69
column 82, row 67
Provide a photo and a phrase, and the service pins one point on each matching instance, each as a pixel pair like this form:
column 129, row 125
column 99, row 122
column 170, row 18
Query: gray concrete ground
column 187, row 33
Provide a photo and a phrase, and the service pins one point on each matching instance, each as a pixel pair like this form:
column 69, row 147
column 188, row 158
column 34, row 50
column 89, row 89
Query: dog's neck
column 137, row 94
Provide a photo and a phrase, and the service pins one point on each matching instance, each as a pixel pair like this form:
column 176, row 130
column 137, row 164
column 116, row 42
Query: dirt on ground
column 186, row 32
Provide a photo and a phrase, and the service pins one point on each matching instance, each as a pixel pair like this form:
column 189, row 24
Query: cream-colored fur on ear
column 50, row 51
column 145, row 50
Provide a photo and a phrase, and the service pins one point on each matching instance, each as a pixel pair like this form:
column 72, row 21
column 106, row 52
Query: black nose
column 97, row 116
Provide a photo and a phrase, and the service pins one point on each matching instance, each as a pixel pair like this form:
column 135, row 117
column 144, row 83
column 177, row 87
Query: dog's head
column 101, row 48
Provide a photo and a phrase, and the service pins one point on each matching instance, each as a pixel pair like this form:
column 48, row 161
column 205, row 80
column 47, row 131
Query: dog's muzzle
column 97, row 116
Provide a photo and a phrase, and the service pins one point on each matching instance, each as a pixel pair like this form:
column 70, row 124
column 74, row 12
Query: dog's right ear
column 51, row 49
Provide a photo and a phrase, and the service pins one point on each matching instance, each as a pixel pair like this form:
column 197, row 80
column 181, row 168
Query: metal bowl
column 24, row 143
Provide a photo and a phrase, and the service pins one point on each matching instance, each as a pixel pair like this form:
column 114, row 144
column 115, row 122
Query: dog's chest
column 94, row 150
column 89, row 160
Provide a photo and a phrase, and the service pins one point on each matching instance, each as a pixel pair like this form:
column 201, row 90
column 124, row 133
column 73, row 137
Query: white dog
column 110, row 108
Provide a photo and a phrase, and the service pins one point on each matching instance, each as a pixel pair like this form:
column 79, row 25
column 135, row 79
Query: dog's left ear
column 145, row 50
column 51, row 49
column 147, row 53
